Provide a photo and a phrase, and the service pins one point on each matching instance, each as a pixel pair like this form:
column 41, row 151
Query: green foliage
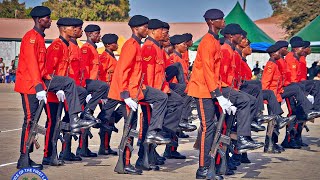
column 87, row 10
column 90, row 10
column 296, row 13
column 12, row 9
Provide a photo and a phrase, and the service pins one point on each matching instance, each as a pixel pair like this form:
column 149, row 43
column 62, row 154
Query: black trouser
column 173, row 114
column 273, row 104
column 30, row 105
column 302, row 102
column 313, row 88
column 82, row 92
column 51, row 111
column 254, row 88
column 116, row 116
column 98, row 90
column 70, row 90
column 151, row 96
column 206, row 112
column 246, row 109
column 187, row 100
column 175, row 70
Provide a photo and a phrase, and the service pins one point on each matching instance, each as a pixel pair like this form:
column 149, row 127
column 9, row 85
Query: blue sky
column 187, row 10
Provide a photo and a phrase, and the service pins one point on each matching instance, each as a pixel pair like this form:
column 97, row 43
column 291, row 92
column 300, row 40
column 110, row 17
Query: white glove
column 88, row 98
column 104, row 101
column 41, row 95
column 133, row 105
column 151, row 106
column 225, row 104
column 61, row 96
column 233, row 110
column 310, row 98
column 283, row 101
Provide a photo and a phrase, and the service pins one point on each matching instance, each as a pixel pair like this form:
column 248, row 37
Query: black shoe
column 256, row 127
column 245, row 159
column 76, row 124
column 72, row 157
column 283, row 121
column 232, row 166
column 182, row 135
column 25, row 162
column 185, row 126
column 229, row 172
column 35, row 165
column 260, row 119
column 140, row 166
column 176, row 155
column 244, row 144
column 91, row 154
column 86, row 153
column 132, row 170
column 108, row 151
column 293, row 144
column 87, row 114
column 47, row 161
column 202, row 173
column 278, row 147
column 155, row 137
column 312, row 115
column 158, row 157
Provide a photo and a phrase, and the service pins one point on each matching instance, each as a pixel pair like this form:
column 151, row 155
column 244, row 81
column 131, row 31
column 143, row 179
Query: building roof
column 272, row 27
column 16, row 28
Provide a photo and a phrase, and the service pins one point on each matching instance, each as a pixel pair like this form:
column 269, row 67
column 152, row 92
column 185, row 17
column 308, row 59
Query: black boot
column 66, row 153
column 268, row 147
column 278, row 147
column 25, row 162
column 245, row 143
column 283, row 121
column 260, row 118
column 84, row 151
column 245, row 159
column 87, row 114
column 202, row 173
column 129, row 169
column 76, row 124
column 155, row 137
column 256, row 127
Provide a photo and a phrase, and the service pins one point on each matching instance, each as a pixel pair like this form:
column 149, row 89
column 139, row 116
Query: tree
column 12, row 9
column 296, row 13
column 90, row 10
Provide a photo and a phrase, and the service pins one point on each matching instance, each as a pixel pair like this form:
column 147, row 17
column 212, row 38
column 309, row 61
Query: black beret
column 68, row 22
column 188, row 36
column 282, row 44
column 213, row 14
column 78, row 22
column 138, row 20
column 40, row 11
column 109, row 38
column 233, row 29
column 244, row 33
column 295, row 38
column 296, row 44
column 273, row 48
column 166, row 25
column 306, row 44
column 177, row 39
column 92, row 28
column 155, row 24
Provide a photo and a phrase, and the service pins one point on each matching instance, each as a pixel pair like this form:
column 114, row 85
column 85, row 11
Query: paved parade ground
column 291, row 164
